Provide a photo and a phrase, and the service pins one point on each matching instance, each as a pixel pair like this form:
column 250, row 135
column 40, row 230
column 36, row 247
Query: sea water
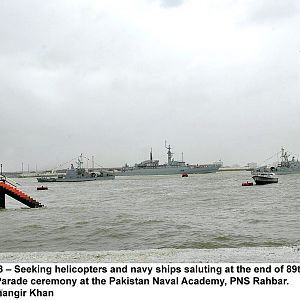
column 166, row 217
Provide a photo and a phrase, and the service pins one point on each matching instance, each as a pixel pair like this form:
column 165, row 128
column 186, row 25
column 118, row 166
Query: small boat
column 265, row 178
column 184, row 175
column 247, row 183
column 41, row 188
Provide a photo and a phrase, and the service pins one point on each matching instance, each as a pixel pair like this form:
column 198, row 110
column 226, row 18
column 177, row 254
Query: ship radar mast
column 169, row 153
column 80, row 161
column 284, row 155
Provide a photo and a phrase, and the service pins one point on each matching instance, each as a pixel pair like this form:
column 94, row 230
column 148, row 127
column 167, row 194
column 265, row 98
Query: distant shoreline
column 49, row 174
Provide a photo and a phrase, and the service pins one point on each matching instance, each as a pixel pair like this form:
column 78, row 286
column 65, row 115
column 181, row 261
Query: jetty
column 9, row 190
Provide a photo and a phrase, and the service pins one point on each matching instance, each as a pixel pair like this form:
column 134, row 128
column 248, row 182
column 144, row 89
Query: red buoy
column 41, row 188
column 247, row 183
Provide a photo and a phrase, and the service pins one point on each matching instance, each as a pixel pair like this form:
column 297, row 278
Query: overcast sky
column 217, row 79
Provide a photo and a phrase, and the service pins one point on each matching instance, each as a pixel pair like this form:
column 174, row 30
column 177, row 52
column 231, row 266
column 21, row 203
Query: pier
column 7, row 189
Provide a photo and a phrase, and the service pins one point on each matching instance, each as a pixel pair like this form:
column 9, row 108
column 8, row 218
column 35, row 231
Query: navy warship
column 78, row 174
column 285, row 166
column 152, row 167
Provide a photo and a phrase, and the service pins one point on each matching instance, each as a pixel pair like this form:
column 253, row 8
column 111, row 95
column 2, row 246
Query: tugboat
column 78, row 174
column 265, row 178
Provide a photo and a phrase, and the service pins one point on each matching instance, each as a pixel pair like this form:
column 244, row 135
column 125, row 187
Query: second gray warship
column 286, row 166
column 152, row 167
column 78, row 174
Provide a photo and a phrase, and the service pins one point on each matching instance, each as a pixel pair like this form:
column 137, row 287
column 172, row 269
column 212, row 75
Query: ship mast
column 80, row 161
column 169, row 153
column 284, row 158
column 284, row 155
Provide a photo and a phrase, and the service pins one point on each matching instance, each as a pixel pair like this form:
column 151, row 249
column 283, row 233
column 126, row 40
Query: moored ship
column 78, row 174
column 152, row 167
column 286, row 166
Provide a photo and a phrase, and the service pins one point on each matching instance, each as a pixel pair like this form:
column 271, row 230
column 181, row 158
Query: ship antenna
column 282, row 153
column 169, row 153
column 80, row 162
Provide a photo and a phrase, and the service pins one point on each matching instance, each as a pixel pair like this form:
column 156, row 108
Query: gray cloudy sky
column 218, row 79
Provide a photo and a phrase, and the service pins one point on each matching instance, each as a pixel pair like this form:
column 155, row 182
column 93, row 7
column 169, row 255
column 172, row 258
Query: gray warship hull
column 78, row 174
column 287, row 170
column 51, row 179
column 169, row 170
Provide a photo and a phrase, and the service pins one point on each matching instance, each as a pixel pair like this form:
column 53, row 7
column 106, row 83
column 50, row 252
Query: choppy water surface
column 136, row 213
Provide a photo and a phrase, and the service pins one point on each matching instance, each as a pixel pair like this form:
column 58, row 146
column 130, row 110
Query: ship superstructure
column 286, row 166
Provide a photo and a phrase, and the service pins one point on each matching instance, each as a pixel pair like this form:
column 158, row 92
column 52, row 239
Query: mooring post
column 2, row 194
column 2, row 198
